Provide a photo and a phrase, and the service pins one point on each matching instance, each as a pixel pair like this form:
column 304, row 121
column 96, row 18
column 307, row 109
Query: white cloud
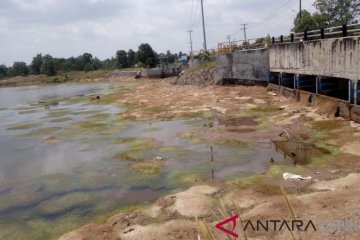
column 69, row 28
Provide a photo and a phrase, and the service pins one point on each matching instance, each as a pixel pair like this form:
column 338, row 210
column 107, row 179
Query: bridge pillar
column 279, row 79
column 356, row 92
column 317, row 85
column 349, row 90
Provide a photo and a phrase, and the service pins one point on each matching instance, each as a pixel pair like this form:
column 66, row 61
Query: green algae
column 148, row 167
column 99, row 117
column 22, row 126
column 19, row 199
column 29, row 111
column 59, row 120
column 41, row 132
column 137, row 143
column 152, row 129
column 55, row 114
column 328, row 125
column 86, row 125
column 68, row 202
column 186, row 178
column 192, row 136
column 158, row 109
column 235, row 142
column 197, row 114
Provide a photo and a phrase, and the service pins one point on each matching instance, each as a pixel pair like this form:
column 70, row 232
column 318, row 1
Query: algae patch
column 22, row 126
column 136, row 149
column 149, row 167
column 64, row 203
column 41, row 132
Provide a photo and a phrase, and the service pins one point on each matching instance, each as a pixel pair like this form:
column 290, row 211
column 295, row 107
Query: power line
column 191, row 14
column 280, row 6
column 276, row 11
column 196, row 16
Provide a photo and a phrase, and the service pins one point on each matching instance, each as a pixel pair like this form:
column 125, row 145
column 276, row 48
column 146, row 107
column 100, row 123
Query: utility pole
column 228, row 38
column 244, row 28
column 300, row 9
column 191, row 46
column 203, row 23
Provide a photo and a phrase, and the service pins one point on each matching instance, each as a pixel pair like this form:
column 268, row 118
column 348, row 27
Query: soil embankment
column 203, row 77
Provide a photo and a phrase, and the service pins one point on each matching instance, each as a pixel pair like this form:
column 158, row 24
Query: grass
column 207, row 65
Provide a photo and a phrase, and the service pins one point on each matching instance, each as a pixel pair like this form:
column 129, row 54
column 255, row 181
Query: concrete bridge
column 326, row 66
column 330, row 67
column 322, row 70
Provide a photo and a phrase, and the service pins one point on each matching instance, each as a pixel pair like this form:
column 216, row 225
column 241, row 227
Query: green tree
column 86, row 58
column 3, row 71
column 131, row 57
column 121, row 59
column 89, row 67
column 36, row 63
column 19, row 69
column 305, row 22
column 146, row 55
column 170, row 56
column 332, row 13
column 96, row 63
column 47, row 66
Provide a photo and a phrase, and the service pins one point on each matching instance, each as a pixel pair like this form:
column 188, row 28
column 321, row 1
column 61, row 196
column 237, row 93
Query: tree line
column 145, row 56
column 329, row 13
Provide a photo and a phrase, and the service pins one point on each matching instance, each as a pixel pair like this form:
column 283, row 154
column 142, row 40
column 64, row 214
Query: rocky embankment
column 203, row 77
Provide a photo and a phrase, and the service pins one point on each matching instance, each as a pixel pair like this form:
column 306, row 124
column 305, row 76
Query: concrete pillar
column 349, row 90
column 297, row 81
column 355, row 92
column 279, row 79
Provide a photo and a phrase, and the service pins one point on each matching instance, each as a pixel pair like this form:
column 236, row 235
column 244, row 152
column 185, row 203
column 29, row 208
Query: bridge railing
column 323, row 33
column 228, row 47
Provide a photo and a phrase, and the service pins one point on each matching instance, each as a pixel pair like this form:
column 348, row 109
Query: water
column 63, row 159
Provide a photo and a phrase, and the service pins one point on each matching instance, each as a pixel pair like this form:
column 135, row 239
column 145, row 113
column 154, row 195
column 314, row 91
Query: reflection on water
column 300, row 152
column 57, row 164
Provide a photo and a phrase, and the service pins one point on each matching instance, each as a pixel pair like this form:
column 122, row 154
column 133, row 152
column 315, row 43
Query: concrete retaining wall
column 159, row 73
column 323, row 104
column 243, row 65
column 118, row 73
column 328, row 57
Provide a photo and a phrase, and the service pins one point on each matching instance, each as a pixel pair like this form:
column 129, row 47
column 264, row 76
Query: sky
column 66, row 28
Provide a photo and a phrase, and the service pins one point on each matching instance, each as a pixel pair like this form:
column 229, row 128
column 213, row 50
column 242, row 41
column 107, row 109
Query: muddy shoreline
column 243, row 116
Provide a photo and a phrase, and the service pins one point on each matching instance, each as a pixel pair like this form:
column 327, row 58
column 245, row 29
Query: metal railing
column 323, row 33
column 228, row 47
